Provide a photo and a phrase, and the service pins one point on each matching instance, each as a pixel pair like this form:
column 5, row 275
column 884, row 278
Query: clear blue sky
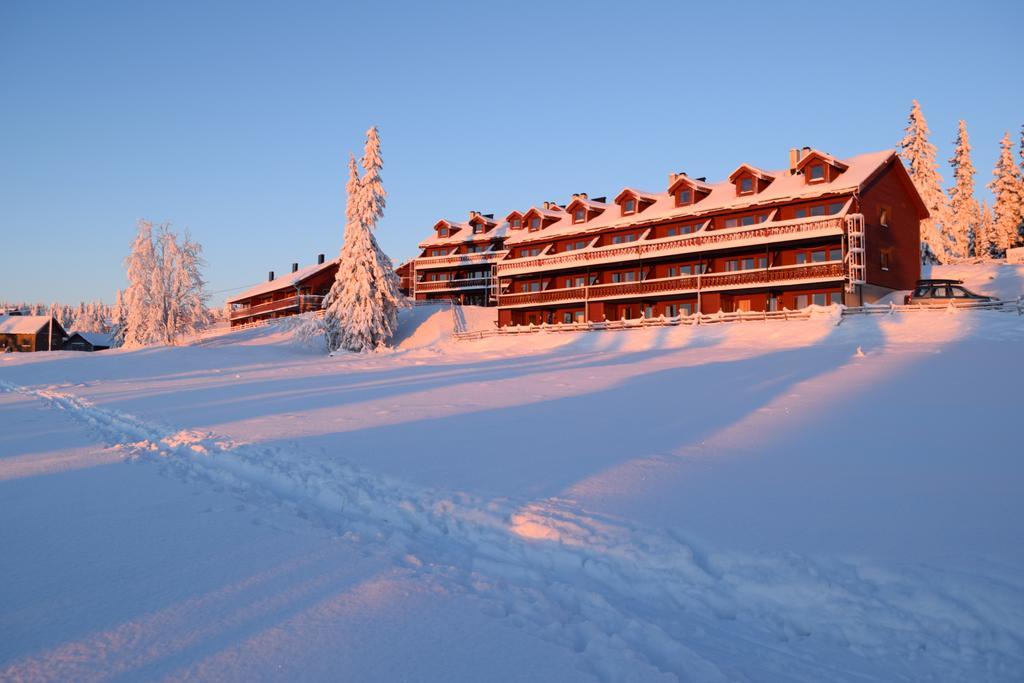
column 235, row 120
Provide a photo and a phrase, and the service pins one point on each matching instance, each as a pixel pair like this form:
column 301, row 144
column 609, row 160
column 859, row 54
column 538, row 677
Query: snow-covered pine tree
column 1009, row 204
column 120, row 317
column 919, row 155
column 963, row 207
column 984, row 235
column 361, row 310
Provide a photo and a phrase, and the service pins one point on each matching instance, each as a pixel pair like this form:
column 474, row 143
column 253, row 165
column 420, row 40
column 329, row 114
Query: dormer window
column 746, row 185
column 478, row 229
column 442, row 232
column 818, row 167
column 579, row 216
column 516, row 223
column 534, row 223
column 684, row 197
column 817, row 173
column 629, row 206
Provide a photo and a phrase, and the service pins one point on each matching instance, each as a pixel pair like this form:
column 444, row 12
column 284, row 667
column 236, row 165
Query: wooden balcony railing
column 646, row 249
column 832, row 270
column 458, row 259
column 465, row 283
column 306, row 302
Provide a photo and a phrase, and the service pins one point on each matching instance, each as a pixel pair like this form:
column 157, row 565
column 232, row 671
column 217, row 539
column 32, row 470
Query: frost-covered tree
column 120, row 320
column 1009, row 204
column 166, row 296
column 361, row 310
column 919, row 155
column 963, row 207
column 984, row 234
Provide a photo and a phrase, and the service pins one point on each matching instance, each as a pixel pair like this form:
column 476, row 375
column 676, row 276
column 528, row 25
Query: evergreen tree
column 120, row 320
column 984, row 244
column 361, row 310
column 919, row 155
column 963, row 208
column 1009, row 204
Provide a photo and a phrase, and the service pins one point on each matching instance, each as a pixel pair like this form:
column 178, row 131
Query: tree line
column 958, row 227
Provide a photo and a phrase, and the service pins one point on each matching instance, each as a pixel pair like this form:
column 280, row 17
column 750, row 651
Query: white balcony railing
column 452, row 285
column 817, row 272
column 668, row 246
column 455, row 260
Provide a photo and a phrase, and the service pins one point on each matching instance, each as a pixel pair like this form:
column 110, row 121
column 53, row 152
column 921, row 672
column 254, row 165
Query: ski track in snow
column 625, row 598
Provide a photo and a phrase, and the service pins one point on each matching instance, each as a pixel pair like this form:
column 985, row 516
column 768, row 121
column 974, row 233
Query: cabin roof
column 24, row 324
column 284, row 281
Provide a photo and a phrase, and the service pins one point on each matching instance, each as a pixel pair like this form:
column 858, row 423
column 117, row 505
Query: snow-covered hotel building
column 819, row 231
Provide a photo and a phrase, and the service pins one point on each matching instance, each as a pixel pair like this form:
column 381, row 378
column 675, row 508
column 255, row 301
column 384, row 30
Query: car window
column 960, row 292
column 939, row 292
column 922, row 291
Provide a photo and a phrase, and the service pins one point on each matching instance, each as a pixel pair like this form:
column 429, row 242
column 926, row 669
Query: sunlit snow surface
column 757, row 501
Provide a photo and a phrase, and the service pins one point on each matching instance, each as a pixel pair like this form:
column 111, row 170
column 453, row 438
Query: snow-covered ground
column 759, row 501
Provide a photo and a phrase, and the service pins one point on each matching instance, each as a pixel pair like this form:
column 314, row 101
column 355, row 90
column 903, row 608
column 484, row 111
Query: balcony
column 453, row 285
column 785, row 275
column 306, row 302
column 455, row 260
column 782, row 231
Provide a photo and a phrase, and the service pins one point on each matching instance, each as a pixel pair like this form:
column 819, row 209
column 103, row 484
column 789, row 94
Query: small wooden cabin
column 31, row 333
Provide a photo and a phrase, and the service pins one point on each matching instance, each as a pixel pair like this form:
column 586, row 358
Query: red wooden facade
column 821, row 231
column 299, row 291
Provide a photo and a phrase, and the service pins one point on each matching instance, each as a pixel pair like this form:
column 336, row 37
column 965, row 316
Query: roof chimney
column 794, row 159
column 702, row 179
column 601, row 200
column 270, row 276
column 295, row 267
column 319, row 259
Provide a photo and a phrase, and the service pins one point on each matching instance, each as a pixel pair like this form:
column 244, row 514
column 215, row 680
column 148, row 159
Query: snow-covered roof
column 464, row 233
column 722, row 197
column 288, row 280
column 23, row 324
column 95, row 338
column 642, row 196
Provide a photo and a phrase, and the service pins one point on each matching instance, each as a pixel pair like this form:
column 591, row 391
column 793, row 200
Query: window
column 747, row 264
column 581, row 281
column 580, row 317
column 818, row 210
column 819, row 256
column 443, row 232
column 685, row 270
column 567, row 317
column 883, row 217
column 835, row 297
column 746, row 185
column 629, row 206
column 885, row 260
column 801, row 301
column 579, row 216
column 835, row 254
column 672, row 231
column 731, row 265
column 684, row 197
column 817, row 173
column 534, row 286
column 731, row 222
column 742, row 305
column 761, row 218
column 801, row 258
column 687, row 308
column 648, row 311
column 576, row 245
column 619, row 239
column 800, row 213
column 534, row 224
column 747, row 220
column 819, row 299
column 516, row 223
column 478, row 229
column 835, row 208
column 671, row 310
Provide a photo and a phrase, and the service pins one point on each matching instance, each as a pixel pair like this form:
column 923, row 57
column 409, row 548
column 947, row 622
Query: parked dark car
column 942, row 292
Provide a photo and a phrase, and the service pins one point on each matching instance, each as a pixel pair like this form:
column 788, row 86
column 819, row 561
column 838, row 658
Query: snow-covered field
column 760, row 501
